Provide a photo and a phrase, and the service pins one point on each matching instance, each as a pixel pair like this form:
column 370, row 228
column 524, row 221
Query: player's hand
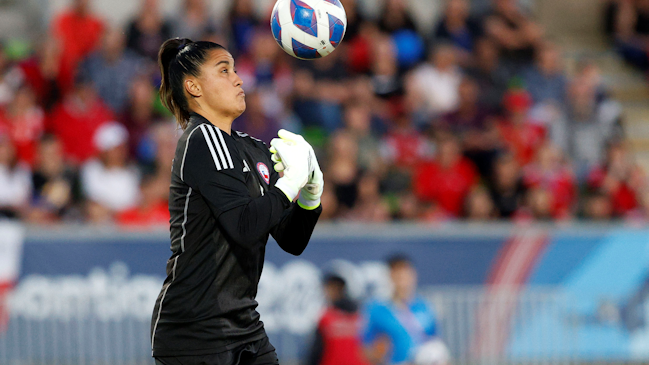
column 311, row 192
column 291, row 155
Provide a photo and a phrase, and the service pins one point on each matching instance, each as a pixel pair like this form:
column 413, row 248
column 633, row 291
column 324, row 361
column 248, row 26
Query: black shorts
column 259, row 352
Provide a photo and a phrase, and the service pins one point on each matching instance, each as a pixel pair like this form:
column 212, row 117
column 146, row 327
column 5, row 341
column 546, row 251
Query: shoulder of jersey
column 251, row 139
column 216, row 144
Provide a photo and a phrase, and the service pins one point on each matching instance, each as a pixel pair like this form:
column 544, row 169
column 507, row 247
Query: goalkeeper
column 226, row 197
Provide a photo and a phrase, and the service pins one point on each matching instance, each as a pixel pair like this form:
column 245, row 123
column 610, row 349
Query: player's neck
column 220, row 121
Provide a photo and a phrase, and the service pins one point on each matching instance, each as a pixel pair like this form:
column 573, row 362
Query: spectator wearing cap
column 337, row 339
column 112, row 69
column 15, row 181
column 79, row 33
column 109, row 183
column 519, row 134
column 76, row 119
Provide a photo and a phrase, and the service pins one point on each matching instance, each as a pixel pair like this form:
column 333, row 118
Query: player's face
column 404, row 279
column 220, row 85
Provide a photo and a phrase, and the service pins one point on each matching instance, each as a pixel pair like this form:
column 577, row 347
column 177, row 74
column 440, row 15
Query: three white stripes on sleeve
column 218, row 148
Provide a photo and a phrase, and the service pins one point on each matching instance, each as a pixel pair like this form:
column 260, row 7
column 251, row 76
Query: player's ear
column 192, row 87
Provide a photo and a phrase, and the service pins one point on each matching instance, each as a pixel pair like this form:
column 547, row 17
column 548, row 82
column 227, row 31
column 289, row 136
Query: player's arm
column 242, row 219
column 376, row 344
column 296, row 226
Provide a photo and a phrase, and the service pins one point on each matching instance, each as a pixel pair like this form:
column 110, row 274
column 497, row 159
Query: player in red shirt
column 446, row 180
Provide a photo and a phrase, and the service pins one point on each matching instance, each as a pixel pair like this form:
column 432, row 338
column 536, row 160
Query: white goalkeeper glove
column 295, row 157
column 311, row 192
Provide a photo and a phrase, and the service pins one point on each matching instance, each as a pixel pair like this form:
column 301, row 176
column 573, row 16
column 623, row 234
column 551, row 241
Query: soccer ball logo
column 308, row 29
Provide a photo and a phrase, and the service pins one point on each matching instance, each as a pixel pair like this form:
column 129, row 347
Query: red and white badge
column 263, row 171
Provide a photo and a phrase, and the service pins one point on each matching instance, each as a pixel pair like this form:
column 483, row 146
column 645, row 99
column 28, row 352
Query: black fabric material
column 221, row 218
column 260, row 352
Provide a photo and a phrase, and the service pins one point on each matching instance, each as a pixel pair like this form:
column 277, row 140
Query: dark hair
column 180, row 57
column 332, row 278
column 398, row 259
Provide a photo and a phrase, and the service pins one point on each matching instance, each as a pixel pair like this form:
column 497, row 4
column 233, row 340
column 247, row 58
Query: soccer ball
column 308, row 29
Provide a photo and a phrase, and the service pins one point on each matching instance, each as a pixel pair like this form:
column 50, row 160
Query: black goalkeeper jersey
column 223, row 204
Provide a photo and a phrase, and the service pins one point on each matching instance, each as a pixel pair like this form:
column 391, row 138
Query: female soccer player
column 224, row 202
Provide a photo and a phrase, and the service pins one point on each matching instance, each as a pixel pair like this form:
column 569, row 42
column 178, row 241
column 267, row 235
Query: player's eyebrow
column 224, row 61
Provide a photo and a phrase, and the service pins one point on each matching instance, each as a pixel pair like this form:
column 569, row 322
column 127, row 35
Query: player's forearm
column 294, row 230
column 246, row 224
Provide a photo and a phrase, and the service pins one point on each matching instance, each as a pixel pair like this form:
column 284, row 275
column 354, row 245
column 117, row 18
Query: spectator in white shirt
column 15, row 181
column 109, row 182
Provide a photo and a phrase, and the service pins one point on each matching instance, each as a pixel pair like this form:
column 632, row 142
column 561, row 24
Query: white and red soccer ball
column 308, row 29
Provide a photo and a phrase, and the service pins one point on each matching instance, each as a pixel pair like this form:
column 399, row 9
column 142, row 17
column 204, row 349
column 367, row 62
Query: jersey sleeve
column 370, row 329
column 211, row 168
column 294, row 230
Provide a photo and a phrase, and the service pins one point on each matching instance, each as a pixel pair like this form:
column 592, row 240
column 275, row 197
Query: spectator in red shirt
column 619, row 178
column 23, row 120
column 40, row 72
column 79, row 33
column 520, row 135
column 448, row 179
column 337, row 339
column 551, row 173
column 76, row 119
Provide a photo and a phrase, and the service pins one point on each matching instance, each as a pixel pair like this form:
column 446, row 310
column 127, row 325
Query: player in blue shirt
column 396, row 328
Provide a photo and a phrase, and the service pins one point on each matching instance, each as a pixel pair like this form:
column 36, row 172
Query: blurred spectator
column 513, row 31
column 15, row 181
column 112, row 69
column 537, row 206
column 458, row 29
column 479, row 206
column 329, row 203
column 545, row 80
column 76, row 118
column 395, row 17
column 402, row 149
column 369, row 205
column 519, row 134
column 337, row 337
column 490, row 74
column 434, row 85
column 597, row 206
column 628, row 22
column 148, row 30
column 507, row 189
column 358, row 122
column 109, row 183
column 261, row 69
column 56, row 184
column 354, row 18
column 139, row 116
column 9, row 79
column 194, row 21
column 24, row 121
column 79, row 33
column 40, row 72
column 386, row 79
column 447, row 180
column 151, row 211
column 242, row 25
column 405, row 321
column 472, row 123
column 342, row 170
column 620, row 179
column 590, row 121
column 550, row 173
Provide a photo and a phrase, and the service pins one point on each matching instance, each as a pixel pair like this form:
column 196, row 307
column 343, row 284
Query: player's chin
column 241, row 107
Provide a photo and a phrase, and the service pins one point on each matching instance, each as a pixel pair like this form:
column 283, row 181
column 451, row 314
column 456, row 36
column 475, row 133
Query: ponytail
column 178, row 58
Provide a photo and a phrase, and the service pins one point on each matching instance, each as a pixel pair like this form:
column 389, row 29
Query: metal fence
column 477, row 324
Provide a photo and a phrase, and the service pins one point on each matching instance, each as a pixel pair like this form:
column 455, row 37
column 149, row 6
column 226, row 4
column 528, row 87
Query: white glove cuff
column 307, row 204
column 286, row 187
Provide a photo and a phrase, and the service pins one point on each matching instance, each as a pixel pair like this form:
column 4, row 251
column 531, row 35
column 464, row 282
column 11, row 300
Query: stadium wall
column 501, row 292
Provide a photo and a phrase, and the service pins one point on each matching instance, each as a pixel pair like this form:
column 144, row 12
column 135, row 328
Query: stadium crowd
column 475, row 120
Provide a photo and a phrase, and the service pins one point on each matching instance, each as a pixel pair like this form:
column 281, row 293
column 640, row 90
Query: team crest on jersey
column 263, row 171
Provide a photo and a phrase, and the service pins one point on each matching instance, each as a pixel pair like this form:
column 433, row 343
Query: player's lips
column 241, row 93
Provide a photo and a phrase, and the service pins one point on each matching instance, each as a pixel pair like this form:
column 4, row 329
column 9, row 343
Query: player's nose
column 238, row 82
